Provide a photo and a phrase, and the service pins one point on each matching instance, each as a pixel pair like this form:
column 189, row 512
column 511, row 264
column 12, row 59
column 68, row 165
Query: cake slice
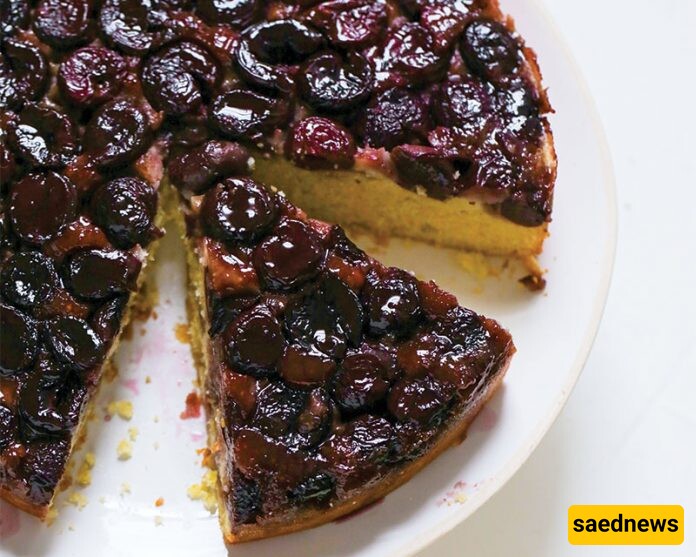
column 329, row 379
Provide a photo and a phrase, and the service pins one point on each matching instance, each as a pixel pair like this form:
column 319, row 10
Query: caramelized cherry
column 23, row 73
column 317, row 143
column 8, row 427
column 410, row 51
column 97, row 274
column 237, row 13
column 62, row 23
column 244, row 114
column 489, row 49
column 254, row 343
column 126, row 25
column 350, row 23
column 392, row 303
column 106, row 320
column 394, row 117
column 13, row 14
column 18, row 341
column 28, row 279
column 48, row 408
column 421, row 400
column 361, row 380
column 74, row 343
column 91, row 76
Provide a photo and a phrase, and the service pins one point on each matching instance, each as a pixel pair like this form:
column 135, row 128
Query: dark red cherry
column 48, row 408
column 244, row 114
column 8, row 427
column 237, row 209
column 62, row 23
column 410, row 50
column 74, row 343
column 305, row 367
column 43, row 466
column 91, row 76
column 392, row 303
column 315, row 420
column 463, row 104
column 362, row 380
column 23, row 73
column 330, row 82
column 28, row 278
column 420, row 400
column 489, row 49
column 224, row 310
column 254, row 343
column 106, row 320
column 317, row 142
column 237, row 13
column 18, row 341
column 179, row 77
column 350, row 23
column 429, row 168
column 445, row 20
column 43, row 137
column 494, row 171
column 127, row 25
column 14, row 14
column 278, row 406
column 291, row 255
column 40, row 204
column 117, row 133
column 395, row 117
column 528, row 207
column 97, row 274
column 199, row 168
column 125, row 208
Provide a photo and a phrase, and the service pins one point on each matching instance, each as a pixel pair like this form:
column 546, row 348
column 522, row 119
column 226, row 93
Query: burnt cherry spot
column 117, row 133
column 247, row 500
column 74, row 343
column 244, row 114
column 125, row 208
column 290, row 256
column 237, row 209
column 392, row 303
column 18, row 340
column 28, row 279
column 179, row 77
column 23, row 73
column 394, row 117
column 40, row 204
column 350, row 23
column 314, row 489
column 254, row 342
column 97, row 274
column 317, row 143
column 489, row 49
column 91, row 76
column 62, row 23
column 237, row 13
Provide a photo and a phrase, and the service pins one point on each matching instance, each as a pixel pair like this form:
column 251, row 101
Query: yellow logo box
column 626, row 524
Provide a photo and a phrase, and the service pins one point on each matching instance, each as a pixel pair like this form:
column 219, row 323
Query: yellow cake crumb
column 158, row 520
column 476, row 264
column 205, row 491
column 133, row 433
column 460, row 498
column 148, row 380
column 125, row 489
column 77, row 499
column 122, row 408
column 159, row 501
column 51, row 516
column 124, row 450
column 156, row 419
column 182, row 333
column 84, row 474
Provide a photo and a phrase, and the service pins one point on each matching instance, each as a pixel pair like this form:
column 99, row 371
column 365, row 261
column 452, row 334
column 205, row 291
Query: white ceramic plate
column 553, row 332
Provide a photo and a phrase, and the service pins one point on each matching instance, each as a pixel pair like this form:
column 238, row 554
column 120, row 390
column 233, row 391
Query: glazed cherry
column 62, row 23
column 43, row 137
column 8, row 427
column 18, row 341
column 245, row 114
column 127, row 24
column 74, row 343
column 421, row 400
column 40, row 204
column 445, row 21
column 463, row 104
column 494, row 171
column 48, row 408
column 290, row 256
column 332, row 83
column 489, row 49
column 410, row 51
column 28, row 279
column 13, row 14
column 247, row 501
column 392, row 303
column 361, row 380
column 43, row 466
column 317, row 143
column 429, row 168
column 23, row 73
column 197, row 169
column 106, row 320
column 117, row 133
column 237, row 13
column 179, row 77
column 125, row 208
column 278, row 406
column 237, row 209
column 394, row 117
column 528, row 208
column 224, row 310
column 97, row 274
column 350, row 24
column 91, row 76
column 314, row 422
column 254, row 343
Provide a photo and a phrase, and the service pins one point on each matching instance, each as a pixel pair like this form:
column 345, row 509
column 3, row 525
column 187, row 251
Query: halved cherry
column 305, row 368
column 245, row 114
column 317, row 142
column 362, row 380
column 421, row 400
column 394, row 117
column 23, row 73
column 489, row 49
column 18, row 341
column 97, row 274
column 410, row 51
column 28, row 278
column 237, row 13
column 106, row 320
column 130, row 25
column 392, row 302
column 14, row 14
column 62, row 23
column 350, row 23
column 74, row 343
column 91, row 76
column 48, row 408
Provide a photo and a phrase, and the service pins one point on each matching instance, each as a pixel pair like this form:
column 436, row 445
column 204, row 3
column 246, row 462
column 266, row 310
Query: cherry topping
column 290, row 256
column 528, row 208
column 74, row 343
column 40, row 204
column 125, row 208
column 304, row 367
column 278, row 406
column 410, row 50
column 18, row 341
column 50, row 409
column 237, row 13
column 445, row 19
column 244, row 114
column 96, row 274
column 13, row 14
column 237, row 209
column 198, row 168
column 392, row 303
column 350, row 23
column 8, row 427
column 489, row 49
column 23, row 73
column 91, row 76
column 224, row 310
column 43, row 466
column 332, row 83
column 28, row 278
column 254, row 342
column 106, row 321
column 62, row 23
column 317, row 143
column 248, row 502
column 420, row 400
column 394, row 117
column 361, row 381
column 43, row 137
column 464, row 104
column 317, row 488
column 126, row 25
column 178, row 78
column 118, row 133
column 427, row 167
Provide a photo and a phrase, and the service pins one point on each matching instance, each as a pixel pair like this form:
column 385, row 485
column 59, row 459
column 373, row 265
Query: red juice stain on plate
column 360, row 511
column 193, row 406
column 9, row 521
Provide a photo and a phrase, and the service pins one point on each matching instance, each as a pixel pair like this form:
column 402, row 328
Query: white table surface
column 628, row 432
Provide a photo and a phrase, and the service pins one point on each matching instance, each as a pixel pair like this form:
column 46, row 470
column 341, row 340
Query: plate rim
column 478, row 499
